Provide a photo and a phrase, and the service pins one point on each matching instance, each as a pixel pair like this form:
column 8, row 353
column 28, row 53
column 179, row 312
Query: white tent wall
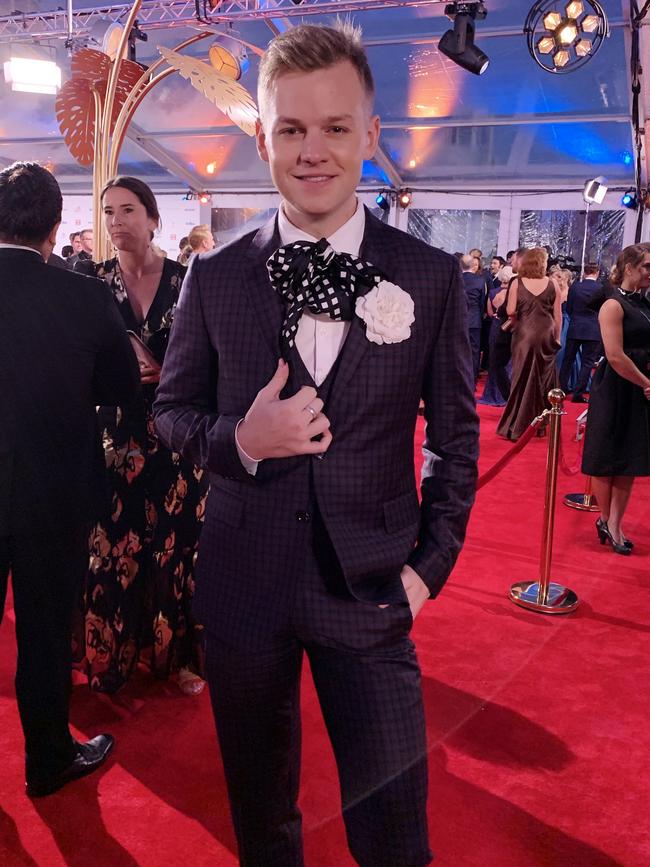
column 179, row 214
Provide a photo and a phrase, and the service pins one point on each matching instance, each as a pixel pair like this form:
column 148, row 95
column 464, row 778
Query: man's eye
column 289, row 130
column 338, row 129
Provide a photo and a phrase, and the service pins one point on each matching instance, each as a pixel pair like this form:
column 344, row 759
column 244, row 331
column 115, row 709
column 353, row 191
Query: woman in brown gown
column 535, row 316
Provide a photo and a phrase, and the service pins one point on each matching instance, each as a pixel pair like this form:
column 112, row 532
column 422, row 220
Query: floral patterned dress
column 139, row 582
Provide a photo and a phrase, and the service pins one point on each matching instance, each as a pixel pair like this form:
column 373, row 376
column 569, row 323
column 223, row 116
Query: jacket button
column 319, row 457
column 303, row 517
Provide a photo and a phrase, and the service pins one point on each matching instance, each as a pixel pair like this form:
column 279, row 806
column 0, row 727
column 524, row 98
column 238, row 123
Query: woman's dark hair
column 30, row 203
column 139, row 189
column 632, row 255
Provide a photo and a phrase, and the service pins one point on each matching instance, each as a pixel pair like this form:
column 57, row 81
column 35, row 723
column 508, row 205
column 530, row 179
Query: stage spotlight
column 595, row 190
column 229, row 57
column 404, row 198
column 563, row 37
column 458, row 44
column 383, row 201
column 630, row 200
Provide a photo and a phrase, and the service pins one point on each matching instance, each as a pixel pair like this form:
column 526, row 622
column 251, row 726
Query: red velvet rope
column 503, row 461
column 574, row 470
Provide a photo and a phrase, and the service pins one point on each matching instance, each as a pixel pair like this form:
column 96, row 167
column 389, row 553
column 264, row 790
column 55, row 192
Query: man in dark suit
column 583, row 333
column 85, row 253
column 474, row 285
column 294, row 373
column 63, row 349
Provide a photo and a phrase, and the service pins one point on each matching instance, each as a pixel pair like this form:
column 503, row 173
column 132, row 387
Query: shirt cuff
column 249, row 463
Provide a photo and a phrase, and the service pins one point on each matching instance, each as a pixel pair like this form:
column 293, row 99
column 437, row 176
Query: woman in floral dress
column 140, row 578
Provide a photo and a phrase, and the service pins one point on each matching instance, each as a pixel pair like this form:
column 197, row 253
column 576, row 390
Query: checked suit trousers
column 368, row 683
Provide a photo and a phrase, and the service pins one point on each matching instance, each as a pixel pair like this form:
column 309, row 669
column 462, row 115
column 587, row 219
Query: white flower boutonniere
column 388, row 312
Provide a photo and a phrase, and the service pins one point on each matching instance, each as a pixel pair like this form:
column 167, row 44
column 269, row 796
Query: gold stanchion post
column 544, row 596
column 582, row 502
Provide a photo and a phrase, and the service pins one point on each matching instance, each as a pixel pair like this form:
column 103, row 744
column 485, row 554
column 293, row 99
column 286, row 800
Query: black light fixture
column 458, row 44
column 562, row 37
column 383, row 200
column 630, row 200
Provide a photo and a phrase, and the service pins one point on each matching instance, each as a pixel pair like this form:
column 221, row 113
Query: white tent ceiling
column 514, row 127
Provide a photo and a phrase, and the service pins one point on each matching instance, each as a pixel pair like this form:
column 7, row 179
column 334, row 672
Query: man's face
column 495, row 265
column 315, row 132
column 76, row 244
column 86, row 239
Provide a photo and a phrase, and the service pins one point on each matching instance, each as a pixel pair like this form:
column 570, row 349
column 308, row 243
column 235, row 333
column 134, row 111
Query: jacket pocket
column 225, row 506
column 403, row 511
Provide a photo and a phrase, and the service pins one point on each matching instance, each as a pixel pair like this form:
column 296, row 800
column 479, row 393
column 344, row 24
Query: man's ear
column 260, row 140
column 51, row 238
column 374, row 127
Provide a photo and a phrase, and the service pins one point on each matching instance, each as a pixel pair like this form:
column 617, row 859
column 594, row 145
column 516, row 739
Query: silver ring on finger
column 312, row 411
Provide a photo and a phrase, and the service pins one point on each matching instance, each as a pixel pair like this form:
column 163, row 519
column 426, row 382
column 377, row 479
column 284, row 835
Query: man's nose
column 314, row 149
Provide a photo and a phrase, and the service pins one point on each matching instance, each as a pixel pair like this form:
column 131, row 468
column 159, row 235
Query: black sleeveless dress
column 617, row 440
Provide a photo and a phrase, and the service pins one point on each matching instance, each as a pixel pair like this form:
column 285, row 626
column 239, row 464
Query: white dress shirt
column 4, row 246
column 319, row 339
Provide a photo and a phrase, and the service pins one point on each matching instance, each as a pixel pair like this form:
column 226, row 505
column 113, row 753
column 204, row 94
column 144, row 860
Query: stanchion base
column 560, row 599
column 582, row 502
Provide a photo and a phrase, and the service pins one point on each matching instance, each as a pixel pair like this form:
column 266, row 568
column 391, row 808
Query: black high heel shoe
column 605, row 536
column 603, row 530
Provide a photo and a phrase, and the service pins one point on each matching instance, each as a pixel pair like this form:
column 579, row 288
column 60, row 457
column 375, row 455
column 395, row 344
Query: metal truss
column 154, row 15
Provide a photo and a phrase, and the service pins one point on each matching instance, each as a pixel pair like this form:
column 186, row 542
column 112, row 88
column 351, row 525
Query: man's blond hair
column 199, row 234
column 309, row 47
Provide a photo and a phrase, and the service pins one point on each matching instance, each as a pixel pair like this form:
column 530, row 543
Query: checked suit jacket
column 224, row 348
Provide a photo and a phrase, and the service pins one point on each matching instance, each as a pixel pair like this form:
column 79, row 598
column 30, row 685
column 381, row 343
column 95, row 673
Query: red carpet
column 538, row 726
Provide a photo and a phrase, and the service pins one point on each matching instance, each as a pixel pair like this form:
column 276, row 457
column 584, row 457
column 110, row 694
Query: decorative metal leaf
column 96, row 66
column 129, row 74
column 229, row 96
column 75, row 112
column 90, row 64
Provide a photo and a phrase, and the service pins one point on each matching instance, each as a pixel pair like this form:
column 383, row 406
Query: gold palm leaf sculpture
column 97, row 105
column 228, row 96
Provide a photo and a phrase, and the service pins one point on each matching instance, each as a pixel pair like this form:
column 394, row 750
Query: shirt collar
column 19, row 247
column 347, row 239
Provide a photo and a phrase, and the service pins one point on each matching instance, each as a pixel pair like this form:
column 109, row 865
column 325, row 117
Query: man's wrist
column 249, row 463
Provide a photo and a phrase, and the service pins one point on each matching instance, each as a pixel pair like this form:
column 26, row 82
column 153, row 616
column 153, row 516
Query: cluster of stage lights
column 402, row 197
column 203, row 197
column 563, row 38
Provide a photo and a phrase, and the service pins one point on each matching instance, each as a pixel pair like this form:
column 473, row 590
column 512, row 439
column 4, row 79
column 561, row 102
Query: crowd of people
column 549, row 328
column 204, row 499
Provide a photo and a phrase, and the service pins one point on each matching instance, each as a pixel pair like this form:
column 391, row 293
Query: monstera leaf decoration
column 75, row 103
column 229, row 97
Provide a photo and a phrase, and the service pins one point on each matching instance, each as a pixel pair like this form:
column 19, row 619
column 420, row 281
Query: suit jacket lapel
column 376, row 250
column 268, row 307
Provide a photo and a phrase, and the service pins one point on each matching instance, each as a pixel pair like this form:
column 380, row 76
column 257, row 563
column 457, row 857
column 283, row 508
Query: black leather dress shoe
column 89, row 757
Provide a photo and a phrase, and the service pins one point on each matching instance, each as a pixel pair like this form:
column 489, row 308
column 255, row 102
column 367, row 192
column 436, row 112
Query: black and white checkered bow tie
column 312, row 275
